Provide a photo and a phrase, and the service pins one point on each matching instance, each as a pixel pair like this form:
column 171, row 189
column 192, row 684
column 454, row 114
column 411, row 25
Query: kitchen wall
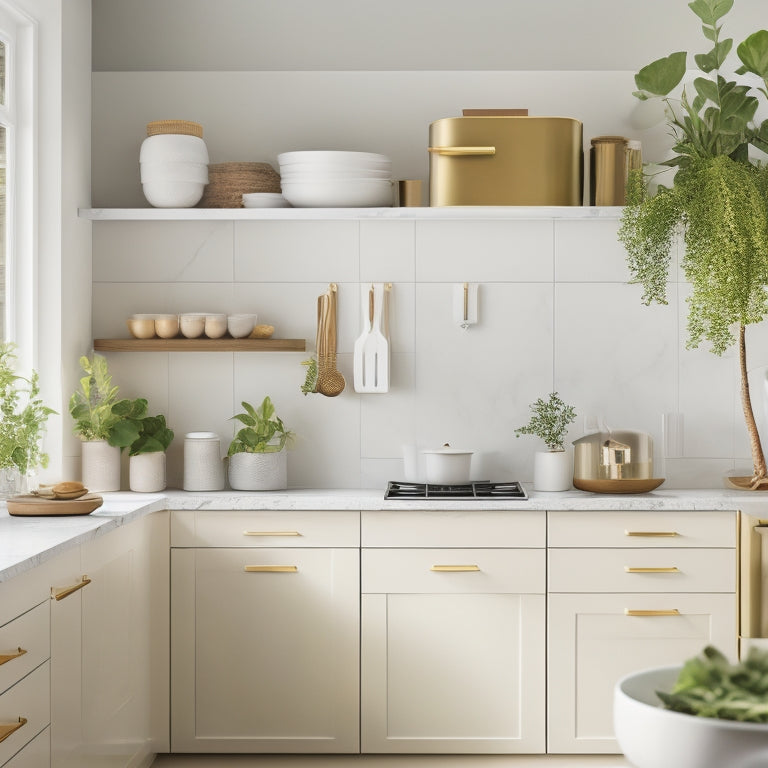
column 556, row 311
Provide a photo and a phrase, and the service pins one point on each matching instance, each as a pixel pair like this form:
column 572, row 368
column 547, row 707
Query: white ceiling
column 512, row 35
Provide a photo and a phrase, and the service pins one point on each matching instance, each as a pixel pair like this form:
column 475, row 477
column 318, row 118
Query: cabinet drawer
column 265, row 529
column 30, row 700
column 25, row 643
column 442, row 571
column 642, row 529
column 642, row 570
column 440, row 528
column 35, row 755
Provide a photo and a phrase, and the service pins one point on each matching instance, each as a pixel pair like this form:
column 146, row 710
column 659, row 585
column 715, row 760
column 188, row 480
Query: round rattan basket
column 228, row 182
column 184, row 127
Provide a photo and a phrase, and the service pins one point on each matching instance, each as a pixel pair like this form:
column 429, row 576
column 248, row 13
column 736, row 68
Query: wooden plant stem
column 758, row 457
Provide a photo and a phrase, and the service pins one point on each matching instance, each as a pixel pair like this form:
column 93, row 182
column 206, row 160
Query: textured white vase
column 259, row 471
column 146, row 472
column 101, row 466
column 552, row 471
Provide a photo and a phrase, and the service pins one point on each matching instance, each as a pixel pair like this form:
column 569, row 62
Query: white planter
column 552, row 471
column 146, row 472
column 259, row 471
column 101, row 466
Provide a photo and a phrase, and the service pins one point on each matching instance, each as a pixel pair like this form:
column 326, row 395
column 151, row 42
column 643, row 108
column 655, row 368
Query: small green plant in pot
column 147, row 455
column 23, row 416
column 257, row 455
column 552, row 469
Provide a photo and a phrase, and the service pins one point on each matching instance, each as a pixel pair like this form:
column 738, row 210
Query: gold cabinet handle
column 670, row 569
column 7, row 730
column 455, row 151
column 59, row 593
column 271, row 533
column 651, row 534
column 271, row 569
column 6, row 657
column 635, row 612
column 454, row 568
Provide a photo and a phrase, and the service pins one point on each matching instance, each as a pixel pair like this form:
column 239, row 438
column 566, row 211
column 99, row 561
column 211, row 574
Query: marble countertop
column 28, row 541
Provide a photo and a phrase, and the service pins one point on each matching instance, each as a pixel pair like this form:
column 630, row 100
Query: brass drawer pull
column 456, row 151
column 632, row 569
column 651, row 534
column 455, row 568
column 271, row 533
column 6, row 657
column 271, row 569
column 7, row 730
column 59, row 593
column 635, row 612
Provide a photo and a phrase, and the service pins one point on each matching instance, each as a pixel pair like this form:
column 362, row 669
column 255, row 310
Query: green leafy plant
column 549, row 422
column 718, row 201
column 710, row 686
column 264, row 431
column 22, row 416
column 154, row 436
column 98, row 412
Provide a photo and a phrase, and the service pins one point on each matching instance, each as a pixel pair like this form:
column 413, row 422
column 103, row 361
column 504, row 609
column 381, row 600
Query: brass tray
column 29, row 505
column 618, row 486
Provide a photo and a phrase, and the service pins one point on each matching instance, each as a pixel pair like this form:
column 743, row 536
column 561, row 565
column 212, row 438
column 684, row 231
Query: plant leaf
column 711, row 11
column 663, row 75
column 753, row 52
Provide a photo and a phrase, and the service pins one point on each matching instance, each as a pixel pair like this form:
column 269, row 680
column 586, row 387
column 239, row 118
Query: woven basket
column 228, row 182
column 184, row 127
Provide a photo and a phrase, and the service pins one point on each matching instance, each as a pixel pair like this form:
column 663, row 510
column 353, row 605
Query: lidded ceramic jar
column 203, row 467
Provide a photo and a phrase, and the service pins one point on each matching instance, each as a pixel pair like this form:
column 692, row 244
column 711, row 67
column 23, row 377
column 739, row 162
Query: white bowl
column 173, row 147
column 141, row 326
column 173, row 194
column 174, row 171
column 333, row 156
column 215, row 325
column 653, row 737
column 339, row 194
column 351, row 173
column 167, row 326
column 240, row 326
column 192, row 324
column 264, row 200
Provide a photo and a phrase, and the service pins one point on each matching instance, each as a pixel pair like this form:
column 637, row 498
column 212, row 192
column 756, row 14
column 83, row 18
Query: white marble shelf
column 451, row 213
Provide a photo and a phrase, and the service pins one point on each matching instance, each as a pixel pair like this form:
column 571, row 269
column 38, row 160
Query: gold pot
column 613, row 455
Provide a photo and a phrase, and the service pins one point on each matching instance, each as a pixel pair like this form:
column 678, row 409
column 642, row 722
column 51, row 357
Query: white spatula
column 358, row 352
column 376, row 349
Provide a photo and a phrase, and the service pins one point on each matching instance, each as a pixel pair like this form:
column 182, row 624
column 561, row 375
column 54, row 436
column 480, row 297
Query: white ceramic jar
column 101, row 466
column 203, row 467
column 146, row 472
column 174, row 170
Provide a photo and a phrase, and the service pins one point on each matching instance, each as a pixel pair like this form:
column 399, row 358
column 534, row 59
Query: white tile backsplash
column 555, row 312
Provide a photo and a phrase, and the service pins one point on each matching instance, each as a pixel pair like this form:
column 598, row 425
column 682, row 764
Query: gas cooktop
column 477, row 490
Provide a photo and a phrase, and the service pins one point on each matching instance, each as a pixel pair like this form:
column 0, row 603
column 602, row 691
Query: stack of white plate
column 325, row 179
column 174, row 170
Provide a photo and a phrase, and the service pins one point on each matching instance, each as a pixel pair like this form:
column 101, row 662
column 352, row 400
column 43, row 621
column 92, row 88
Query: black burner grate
column 477, row 490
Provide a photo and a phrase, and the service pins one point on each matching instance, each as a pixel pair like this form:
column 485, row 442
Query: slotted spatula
column 376, row 349
column 359, row 349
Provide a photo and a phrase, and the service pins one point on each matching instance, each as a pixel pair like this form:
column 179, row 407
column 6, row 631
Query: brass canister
column 608, row 170
column 615, row 455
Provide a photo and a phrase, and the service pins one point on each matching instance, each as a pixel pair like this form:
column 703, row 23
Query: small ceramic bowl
column 240, row 326
column 141, row 326
column 167, row 326
column 192, row 324
column 215, row 326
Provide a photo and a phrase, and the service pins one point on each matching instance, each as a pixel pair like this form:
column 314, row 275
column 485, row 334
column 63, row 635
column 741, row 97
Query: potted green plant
column 257, row 456
column 718, row 199
column 23, row 416
column 146, row 463
column 552, row 469
column 104, row 422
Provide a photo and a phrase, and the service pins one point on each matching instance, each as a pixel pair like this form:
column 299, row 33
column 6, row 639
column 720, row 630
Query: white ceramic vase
column 258, row 471
column 101, row 466
column 552, row 471
column 146, row 472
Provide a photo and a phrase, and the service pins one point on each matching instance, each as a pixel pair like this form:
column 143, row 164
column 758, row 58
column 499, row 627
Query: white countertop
column 28, row 541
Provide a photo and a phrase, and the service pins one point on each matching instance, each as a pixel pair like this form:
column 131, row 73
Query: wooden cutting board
column 30, row 506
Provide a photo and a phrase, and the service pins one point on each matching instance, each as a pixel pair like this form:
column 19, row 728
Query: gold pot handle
column 459, row 151
column 7, row 730
column 59, row 593
column 6, row 657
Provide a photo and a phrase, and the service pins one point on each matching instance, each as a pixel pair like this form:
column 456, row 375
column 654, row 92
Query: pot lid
column 447, row 450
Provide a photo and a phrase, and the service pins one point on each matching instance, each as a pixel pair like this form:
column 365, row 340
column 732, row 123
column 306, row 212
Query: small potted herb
column 22, row 423
column 104, row 422
column 146, row 465
column 552, row 470
column 257, row 457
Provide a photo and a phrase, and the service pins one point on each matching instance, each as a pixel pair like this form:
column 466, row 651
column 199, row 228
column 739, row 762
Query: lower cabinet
column 37, row 754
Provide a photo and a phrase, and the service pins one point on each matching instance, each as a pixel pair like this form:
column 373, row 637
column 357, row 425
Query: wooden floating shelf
column 200, row 345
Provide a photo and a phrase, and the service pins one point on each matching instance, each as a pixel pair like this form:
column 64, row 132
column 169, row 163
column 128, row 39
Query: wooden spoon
column 330, row 380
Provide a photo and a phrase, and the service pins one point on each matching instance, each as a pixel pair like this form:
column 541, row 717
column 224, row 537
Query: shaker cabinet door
column 265, row 650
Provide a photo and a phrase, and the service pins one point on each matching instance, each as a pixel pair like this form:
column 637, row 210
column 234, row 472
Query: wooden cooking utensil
column 330, row 380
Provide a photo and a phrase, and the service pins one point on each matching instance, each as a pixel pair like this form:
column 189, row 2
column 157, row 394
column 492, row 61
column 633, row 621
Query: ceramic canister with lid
column 203, row 467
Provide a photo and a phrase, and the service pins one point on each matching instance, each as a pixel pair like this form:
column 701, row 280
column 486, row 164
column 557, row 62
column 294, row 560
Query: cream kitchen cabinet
column 453, row 632
column 265, row 625
column 629, row 590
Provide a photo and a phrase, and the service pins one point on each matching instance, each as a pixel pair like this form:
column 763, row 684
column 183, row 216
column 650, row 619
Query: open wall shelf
column 199, row 345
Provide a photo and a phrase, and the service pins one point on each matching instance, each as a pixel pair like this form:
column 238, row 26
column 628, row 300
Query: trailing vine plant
column 718, row 201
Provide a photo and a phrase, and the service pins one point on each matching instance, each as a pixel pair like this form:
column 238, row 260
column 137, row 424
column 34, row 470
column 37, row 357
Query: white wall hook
column 465, row 304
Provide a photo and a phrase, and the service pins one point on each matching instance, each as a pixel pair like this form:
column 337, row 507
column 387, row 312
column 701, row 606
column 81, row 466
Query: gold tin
column 608, row 163
column 506, row 160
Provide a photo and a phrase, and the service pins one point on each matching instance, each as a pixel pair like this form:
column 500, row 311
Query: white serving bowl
column 173, row 194
column 333, row 156
column 240, row 326
column 264, row 200
column 173, row 171
column 653, row 737
column 173, row 147
column 352, row 173
column 192, row 324
column 339, row 194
